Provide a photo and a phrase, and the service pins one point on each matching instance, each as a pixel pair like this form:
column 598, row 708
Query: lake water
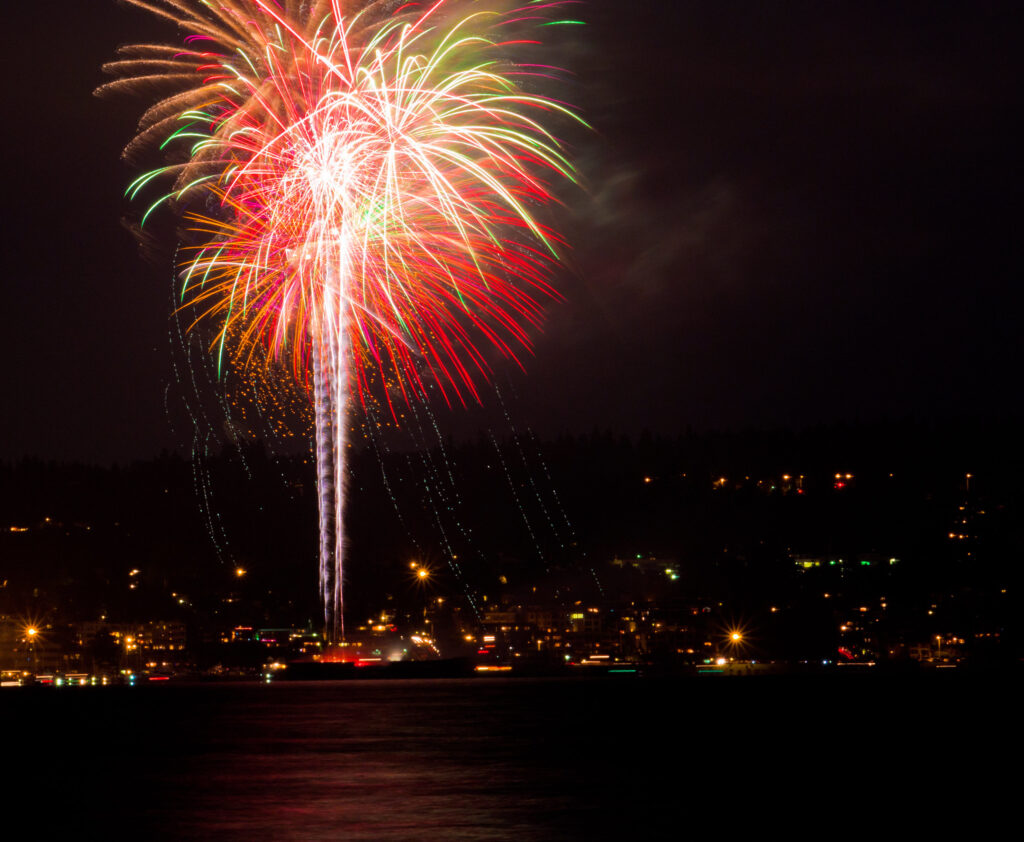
column 510, row 759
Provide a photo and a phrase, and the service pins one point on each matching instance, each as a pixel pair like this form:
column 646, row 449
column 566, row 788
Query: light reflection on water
column 488, row 759
column 374, row 761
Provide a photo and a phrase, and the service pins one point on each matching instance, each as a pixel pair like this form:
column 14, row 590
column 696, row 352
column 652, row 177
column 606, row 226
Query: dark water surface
column 513, row 759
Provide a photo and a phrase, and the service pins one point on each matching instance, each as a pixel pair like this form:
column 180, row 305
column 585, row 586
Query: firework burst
column 360, row 182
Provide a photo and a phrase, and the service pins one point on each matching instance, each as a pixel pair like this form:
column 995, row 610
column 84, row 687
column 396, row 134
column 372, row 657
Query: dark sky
column 795, row 213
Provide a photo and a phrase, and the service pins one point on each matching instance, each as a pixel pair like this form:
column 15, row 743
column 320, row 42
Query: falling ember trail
column 360, row 183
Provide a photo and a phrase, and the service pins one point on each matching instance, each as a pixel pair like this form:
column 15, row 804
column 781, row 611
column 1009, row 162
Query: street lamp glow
column 735, row 637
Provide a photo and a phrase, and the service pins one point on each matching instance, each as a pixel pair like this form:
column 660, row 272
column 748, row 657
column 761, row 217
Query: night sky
column 795, row 213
